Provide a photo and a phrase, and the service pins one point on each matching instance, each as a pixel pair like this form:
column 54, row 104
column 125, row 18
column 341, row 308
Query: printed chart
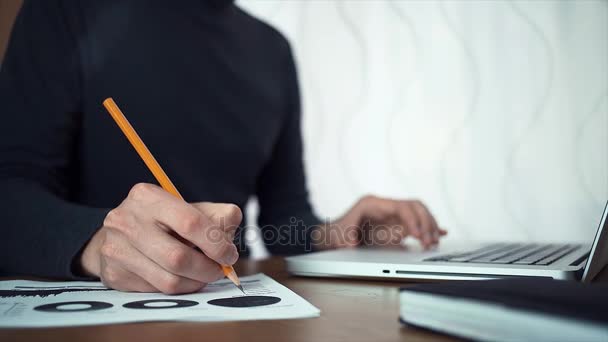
column 45, row 304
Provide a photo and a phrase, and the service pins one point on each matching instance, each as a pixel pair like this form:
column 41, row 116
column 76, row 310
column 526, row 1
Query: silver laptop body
column 462, row 262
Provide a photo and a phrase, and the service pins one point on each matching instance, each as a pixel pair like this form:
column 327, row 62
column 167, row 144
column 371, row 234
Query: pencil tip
column 241, row 288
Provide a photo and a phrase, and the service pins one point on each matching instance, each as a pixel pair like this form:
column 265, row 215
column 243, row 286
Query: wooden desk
column 351, row 310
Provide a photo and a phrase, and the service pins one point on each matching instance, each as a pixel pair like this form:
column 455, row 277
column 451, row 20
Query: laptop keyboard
column 512, row 253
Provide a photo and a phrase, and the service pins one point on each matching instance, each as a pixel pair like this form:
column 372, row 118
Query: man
column 214, row 94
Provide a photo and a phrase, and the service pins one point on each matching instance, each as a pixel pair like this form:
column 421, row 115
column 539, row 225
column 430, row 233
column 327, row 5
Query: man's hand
column 146, row 243
column 382, row 222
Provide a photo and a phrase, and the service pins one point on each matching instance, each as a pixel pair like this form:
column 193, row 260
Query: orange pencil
column 155, row 168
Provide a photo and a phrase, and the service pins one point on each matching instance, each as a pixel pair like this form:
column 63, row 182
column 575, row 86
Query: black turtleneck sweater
column 211, row 90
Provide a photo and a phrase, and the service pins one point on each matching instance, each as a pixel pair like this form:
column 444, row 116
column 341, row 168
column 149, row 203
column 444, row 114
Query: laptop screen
column 598, row 257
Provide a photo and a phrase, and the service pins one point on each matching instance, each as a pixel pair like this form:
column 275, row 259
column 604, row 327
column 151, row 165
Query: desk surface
column 351, row 310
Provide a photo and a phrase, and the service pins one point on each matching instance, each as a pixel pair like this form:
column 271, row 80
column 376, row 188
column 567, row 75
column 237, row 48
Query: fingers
column 121, row 259
column 218, row 240
column 403, row 217
column 147, row 242
column 398, row 232
column 408, row 216
column 228, row 216
column 438, row 231
column 113, row 275
column 210, row 227
column 393, row 220
column 428, row 226
column 207, row 234
column 177, row 257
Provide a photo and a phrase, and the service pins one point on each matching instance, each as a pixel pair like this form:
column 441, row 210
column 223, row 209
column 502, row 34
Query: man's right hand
column 146, row 243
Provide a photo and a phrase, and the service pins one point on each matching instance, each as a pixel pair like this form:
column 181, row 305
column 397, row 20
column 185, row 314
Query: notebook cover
column 549, row 296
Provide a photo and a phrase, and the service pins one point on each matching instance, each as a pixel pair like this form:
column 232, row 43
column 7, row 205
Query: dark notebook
column 558, row 297
column 485, row 309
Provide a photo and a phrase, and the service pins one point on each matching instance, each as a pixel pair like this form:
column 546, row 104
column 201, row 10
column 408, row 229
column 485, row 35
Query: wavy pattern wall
column 495, row 113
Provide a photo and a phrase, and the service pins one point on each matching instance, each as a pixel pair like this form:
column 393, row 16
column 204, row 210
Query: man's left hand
column 380, row 222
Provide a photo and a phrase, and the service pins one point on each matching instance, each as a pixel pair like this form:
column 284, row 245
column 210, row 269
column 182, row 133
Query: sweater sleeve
column 286, row 216
column 42, row 230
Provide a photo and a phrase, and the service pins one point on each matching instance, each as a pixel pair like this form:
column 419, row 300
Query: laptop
column 463, row 262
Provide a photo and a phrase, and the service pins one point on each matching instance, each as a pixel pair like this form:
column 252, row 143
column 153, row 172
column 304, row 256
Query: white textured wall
column 493, row 112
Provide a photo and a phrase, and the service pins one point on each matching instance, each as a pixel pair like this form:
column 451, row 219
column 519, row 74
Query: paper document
column 50, row 304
